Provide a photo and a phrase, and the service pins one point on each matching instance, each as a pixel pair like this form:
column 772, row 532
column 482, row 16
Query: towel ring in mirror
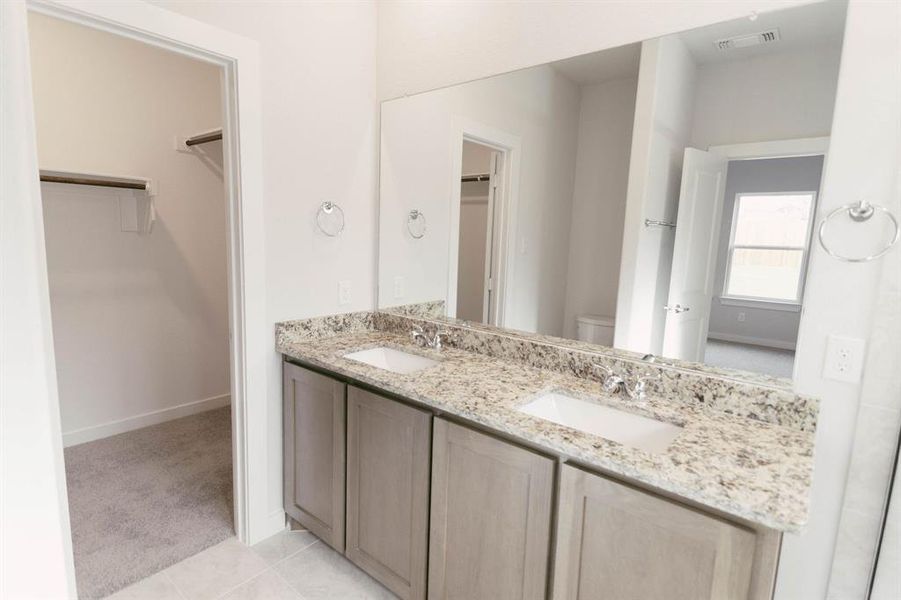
column 416, row 224
column 330, row 219
column 860, row 212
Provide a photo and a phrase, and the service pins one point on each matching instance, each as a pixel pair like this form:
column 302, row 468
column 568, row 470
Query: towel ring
column 416, row 224
column 859, row 212
column 330, row 219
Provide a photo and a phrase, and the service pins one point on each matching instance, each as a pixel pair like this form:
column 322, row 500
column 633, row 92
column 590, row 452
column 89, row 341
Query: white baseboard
column 96, row 432
column 754, row 341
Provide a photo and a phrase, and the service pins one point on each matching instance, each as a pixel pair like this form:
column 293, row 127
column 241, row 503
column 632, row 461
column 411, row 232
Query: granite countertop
column 753, row 470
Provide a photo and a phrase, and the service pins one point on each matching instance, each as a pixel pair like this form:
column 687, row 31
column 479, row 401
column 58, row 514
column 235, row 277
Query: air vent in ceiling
column 743, row 41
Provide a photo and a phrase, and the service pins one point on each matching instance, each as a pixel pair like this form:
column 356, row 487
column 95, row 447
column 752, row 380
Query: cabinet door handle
column 678, row 308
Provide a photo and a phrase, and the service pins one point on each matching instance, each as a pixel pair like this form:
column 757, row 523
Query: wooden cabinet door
column 388, row 449
column 490, row 519
column 614, row 541
column 314, row 452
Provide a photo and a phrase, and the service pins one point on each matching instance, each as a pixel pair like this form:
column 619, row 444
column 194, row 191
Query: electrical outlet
column 741, row 317
column 399, row 285
column 344, row 291
column 844, row 358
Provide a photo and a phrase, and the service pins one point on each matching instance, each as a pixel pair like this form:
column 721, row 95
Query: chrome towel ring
column 859, row 212
column 330, row 219
column 416, row 224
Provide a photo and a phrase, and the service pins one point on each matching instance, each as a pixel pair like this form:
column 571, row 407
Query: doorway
column 763, row 248
column 476, row 259
column 753, row 267
column 136, row 243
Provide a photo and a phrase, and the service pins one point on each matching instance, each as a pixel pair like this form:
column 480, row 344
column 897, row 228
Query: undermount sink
column 391, row 359
column 643, row 433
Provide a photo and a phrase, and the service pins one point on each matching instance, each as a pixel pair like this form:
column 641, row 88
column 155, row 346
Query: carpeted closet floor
column 144, row 500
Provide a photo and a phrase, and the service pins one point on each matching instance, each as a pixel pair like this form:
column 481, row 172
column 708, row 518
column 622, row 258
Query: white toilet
column 596, row 329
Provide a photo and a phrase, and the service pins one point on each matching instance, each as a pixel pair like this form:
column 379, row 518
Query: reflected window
column 768, row 246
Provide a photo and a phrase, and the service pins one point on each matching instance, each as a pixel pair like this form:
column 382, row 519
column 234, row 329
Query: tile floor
column 291, row 565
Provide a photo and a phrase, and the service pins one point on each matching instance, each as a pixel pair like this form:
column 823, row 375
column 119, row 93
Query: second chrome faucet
column 420, row 336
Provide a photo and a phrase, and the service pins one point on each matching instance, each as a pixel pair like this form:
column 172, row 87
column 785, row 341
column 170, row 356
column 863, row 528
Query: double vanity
column 456, row 461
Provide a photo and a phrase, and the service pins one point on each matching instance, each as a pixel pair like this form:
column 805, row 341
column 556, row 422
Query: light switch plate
column 399, row 291
column 344, row 291
column 844, row 358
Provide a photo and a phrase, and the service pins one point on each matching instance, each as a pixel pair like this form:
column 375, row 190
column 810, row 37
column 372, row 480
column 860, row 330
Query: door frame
column 489, row 281
column 509, row 146
column 250, row 346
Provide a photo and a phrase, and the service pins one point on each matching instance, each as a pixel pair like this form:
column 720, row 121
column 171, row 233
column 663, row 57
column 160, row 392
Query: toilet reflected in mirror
column 595, row 329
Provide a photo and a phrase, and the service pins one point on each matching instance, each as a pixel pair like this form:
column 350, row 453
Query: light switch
column 844, row 358
column 344, row 291
column 399, row 285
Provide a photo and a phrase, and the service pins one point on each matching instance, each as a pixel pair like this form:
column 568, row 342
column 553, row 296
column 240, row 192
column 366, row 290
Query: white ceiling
column 818, row 24
column 821, row 23
column 615, row 63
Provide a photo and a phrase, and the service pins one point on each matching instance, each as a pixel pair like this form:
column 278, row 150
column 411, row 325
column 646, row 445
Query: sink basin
column 620, row 426
column 391, row 359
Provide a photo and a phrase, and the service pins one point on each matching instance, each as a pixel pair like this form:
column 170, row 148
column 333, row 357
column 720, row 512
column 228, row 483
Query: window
column 768, row 246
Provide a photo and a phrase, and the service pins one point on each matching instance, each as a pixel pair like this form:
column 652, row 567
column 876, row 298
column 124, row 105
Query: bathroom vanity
column 475, row 470
column 580, row 263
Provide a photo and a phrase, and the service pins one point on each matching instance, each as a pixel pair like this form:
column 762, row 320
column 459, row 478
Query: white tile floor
column 291, row 565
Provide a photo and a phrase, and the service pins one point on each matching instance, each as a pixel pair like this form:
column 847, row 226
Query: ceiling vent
column 744, row 41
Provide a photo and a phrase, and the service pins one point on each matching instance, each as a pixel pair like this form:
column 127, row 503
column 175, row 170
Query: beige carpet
column 144, row 500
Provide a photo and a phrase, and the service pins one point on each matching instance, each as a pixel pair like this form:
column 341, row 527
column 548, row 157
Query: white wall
column 476, row 158
column 778, row 96
column 864, row 154
column 426, row 45
column 541, row 108
column 662, row 126
column 319, row 143
column 606, row 114
column 139, row 321
column 35, row 540
column 761, row 325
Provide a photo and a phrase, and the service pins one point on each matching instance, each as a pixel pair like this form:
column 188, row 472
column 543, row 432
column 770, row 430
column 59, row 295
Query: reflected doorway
column 477, row 264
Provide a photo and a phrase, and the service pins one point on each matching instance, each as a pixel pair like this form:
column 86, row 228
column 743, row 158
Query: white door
column 488, row 298
column 694, row 255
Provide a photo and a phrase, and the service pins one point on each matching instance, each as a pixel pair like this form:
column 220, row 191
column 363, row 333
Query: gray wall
column 765, row 325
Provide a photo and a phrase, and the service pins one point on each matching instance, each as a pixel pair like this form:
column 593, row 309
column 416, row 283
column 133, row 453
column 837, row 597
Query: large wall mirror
column 658, row 197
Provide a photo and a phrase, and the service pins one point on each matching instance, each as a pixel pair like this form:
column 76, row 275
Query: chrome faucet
column 632, row 388
column 419, row 335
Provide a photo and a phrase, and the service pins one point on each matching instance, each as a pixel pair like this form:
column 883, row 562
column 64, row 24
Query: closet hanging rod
column 203, row 138
column 476, row 177
column 130, row 184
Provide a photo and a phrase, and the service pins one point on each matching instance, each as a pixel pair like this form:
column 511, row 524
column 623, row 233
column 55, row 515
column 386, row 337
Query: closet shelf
column 129, row 183
column 137, row 208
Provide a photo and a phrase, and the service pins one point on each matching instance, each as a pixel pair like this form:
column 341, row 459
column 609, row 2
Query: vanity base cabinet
column 388, row 450
column 314, row 412
column 490, row 517
column 614, row 541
